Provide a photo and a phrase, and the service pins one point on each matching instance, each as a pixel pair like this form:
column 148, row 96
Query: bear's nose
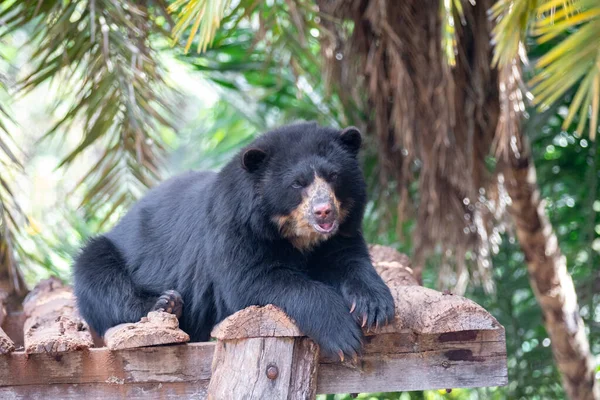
column 322, row 210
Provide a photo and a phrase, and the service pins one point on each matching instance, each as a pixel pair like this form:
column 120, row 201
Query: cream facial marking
column 315, row 219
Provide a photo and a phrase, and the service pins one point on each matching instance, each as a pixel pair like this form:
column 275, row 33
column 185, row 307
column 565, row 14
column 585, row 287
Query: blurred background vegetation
column 101, row 99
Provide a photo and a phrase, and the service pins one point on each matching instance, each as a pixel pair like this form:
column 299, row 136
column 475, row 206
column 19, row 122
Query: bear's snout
column 325, row 216
column 322, row 211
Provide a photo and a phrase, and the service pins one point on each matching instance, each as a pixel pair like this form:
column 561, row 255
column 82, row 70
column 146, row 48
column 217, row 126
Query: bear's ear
column 351, row 139
column 252, row 159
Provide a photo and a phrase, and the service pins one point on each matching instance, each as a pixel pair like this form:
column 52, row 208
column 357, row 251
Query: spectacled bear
column 279, row 224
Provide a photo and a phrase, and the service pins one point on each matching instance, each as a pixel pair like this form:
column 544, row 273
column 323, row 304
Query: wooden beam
column 405, row 361
column 175, row 363
column 108, row 391
column 391, row 362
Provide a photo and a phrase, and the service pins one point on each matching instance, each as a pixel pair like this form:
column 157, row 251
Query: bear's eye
column 297, row 185
column 333, row 177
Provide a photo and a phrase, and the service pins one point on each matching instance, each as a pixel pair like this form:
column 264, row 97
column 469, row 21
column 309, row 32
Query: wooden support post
column 261, row 354
column 52, row 322
column 155, row 329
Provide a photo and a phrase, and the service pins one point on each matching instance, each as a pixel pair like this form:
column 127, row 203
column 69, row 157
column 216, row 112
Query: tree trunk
column 550, row 280
column 448, row 120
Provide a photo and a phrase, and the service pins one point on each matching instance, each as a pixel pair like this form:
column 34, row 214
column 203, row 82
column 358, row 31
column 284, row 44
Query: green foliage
column 203, row 15
column 573, row 59
column 111, row 87
column 216, row 135
column 271, row 70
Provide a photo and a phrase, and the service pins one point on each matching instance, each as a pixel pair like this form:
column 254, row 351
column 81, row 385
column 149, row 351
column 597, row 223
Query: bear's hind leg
column 106, row 294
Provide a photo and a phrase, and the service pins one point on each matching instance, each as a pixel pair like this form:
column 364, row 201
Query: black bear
column 279, row 224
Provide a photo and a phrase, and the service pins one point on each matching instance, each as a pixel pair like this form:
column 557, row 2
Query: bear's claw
column 171, row 302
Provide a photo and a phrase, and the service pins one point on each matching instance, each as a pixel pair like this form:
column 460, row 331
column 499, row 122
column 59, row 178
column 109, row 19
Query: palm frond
column 204, row 17
column 512, row 20
column 449, row 10
column 573, row 61
column 11, row 216
column 119, row 96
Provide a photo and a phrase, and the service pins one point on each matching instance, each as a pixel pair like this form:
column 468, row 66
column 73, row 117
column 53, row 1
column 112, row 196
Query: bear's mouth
column 325, row 227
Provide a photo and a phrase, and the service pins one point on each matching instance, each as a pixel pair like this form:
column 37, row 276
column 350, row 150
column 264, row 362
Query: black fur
column 211, row 237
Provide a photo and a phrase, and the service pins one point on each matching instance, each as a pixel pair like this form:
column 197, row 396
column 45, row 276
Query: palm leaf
column 203, row 15
column 11, row 215
column 573, row 60
column 119, row 95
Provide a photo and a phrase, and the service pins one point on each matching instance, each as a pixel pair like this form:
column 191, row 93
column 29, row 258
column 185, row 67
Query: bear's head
column 308, row 181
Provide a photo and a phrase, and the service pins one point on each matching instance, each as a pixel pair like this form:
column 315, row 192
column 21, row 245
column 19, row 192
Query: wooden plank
column 156, row 328
column 108, row 391
column 391, row 362
column 174, row 363
column 457, row 364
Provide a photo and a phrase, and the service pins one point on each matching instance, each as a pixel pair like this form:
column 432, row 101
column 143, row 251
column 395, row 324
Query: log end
column 6, row 345
column 255, row 321
column 155, row 329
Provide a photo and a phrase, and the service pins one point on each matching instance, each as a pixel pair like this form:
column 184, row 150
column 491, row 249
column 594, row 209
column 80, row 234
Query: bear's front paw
column 370, row 305
column 339, row 337
column 171, row 302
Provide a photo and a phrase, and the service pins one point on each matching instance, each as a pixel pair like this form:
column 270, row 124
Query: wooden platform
column 437, row 341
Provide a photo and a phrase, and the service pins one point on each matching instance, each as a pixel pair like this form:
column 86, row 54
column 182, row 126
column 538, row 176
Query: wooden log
column 13, row 327
column 393, row 266
column 6, row 344
column 381, row 253
column 424, row 310
column 155, row 329
column 254, row 321
column 261, row 354
column 52, row 322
